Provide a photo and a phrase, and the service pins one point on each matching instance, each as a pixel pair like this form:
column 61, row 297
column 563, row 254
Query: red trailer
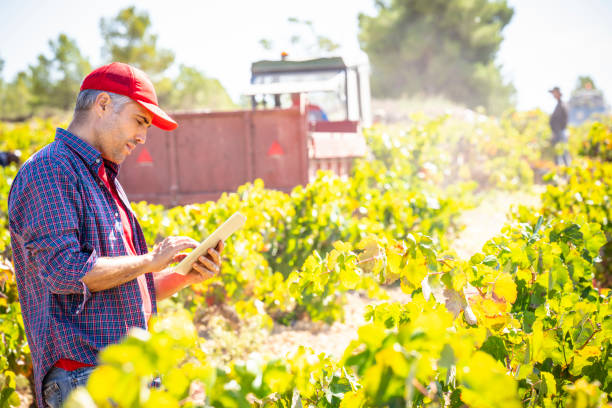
column 282, row 144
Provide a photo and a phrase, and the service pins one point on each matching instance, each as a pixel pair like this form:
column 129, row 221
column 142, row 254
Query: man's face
column 121, row 131
column 556, row 94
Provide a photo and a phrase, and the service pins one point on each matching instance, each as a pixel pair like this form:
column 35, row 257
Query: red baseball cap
column 123, row 79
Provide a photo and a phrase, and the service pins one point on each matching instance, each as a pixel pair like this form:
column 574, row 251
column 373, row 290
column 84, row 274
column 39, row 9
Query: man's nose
column 141, row 137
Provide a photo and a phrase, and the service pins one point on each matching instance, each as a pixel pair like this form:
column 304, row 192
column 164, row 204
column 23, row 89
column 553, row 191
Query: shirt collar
column 87, row 152
column 112, row 169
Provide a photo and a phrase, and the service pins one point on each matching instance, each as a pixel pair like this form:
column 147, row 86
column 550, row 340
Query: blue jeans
column 562, row 158
column 58, row 383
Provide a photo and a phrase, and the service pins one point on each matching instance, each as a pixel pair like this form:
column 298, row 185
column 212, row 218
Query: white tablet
column 220, row 234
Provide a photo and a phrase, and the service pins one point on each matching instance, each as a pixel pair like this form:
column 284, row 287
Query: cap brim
column 160, row 118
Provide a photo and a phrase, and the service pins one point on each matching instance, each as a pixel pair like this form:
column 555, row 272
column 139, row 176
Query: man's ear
column 102, row 105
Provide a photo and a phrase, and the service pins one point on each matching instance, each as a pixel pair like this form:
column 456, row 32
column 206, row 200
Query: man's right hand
column 109, row 272
column 165, row 252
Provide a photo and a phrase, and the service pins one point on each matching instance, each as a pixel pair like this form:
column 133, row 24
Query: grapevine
column 524, row 322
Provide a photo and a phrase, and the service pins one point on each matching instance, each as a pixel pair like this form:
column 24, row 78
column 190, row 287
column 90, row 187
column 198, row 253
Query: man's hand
column 207, row 266
column 109, row 272
column 168, row 251
column 169, row 282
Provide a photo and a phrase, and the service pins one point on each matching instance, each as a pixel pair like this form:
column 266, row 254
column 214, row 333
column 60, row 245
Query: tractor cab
column 333, row 89
column 333, row 94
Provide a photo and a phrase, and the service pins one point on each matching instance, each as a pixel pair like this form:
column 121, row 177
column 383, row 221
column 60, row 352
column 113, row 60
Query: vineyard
column 524, row 322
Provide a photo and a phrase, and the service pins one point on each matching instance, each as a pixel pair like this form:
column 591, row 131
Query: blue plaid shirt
column 62, row 219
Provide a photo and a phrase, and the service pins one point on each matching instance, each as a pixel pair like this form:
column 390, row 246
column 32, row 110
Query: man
column 83, row 271
column 558, row 123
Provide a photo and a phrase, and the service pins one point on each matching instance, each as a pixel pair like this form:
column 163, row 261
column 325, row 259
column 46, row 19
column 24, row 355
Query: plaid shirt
column 62, row 219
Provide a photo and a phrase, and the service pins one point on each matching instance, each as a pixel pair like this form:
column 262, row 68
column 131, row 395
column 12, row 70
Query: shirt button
column 97, row 160
column 116, row 214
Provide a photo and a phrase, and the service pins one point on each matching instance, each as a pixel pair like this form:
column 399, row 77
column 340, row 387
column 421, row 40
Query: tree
column 49, row 85
column 191, row 89
column 438, row 47
column 319, row 44
column 127, row 38
column 304, row 40
column 15, row 99
column 2, row 85
column 585, row 82
column 54, row 81
column 71, row 67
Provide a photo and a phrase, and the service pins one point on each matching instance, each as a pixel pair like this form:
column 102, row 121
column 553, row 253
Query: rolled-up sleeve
column 45, row 214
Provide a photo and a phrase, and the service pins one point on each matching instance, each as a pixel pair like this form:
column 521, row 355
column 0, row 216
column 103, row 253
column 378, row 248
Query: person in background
column 84, row 274
column 558, row 124
column 6, row 158
column 314, row 112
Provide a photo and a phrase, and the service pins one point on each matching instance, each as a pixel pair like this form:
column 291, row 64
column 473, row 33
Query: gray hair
column 87, row 97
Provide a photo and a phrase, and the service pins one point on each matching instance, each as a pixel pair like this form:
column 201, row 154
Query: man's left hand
column 208, row 266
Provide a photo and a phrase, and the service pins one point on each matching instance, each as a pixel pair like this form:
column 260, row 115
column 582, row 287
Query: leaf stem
column 589, row 339
column 370, row 259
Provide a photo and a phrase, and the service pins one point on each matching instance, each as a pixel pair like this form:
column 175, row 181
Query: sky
column 547, row 43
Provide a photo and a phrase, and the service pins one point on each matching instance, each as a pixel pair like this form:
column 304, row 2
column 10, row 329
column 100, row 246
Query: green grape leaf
column 549, row 385
column 490, row 260
column 447, row 357
column 494, row 345
column 9, row 398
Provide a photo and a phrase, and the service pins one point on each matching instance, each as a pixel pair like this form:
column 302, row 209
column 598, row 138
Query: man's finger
column 187, row 241
column 214, row 255
column 214, row 268
column 220, row 246
column 192, row 241
column 177, row 240
column 183, row 246
column 179, row 257
column 205, row 273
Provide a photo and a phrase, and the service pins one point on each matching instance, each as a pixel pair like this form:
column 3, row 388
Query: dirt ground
column 488, row 218
column 328, row 339
column 482, row 223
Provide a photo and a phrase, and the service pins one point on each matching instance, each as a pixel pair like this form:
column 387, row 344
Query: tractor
column 303, row 116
